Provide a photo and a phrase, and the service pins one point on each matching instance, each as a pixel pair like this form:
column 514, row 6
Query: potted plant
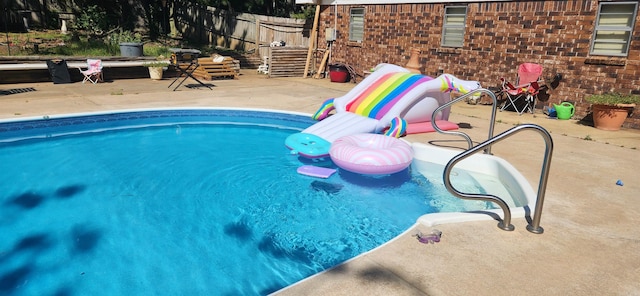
column 610, row 110
column 156, row 68
column 130, row 43
column 338, row 72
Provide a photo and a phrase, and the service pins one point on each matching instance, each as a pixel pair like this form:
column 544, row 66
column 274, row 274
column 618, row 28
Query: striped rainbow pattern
column 384, row 93
column 397, row 127
column 449, row 85
column 324, row 110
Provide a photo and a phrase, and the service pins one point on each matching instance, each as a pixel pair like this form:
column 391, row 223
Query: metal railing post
column 505, row 224
column 460, row 98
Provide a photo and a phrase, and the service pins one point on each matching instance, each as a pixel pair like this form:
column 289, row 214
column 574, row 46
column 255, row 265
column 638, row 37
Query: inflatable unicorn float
column 389, row 99
column 387, row 102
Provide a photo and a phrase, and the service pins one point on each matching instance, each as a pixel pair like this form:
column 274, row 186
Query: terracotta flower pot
column 610, row 118
column 414, row 61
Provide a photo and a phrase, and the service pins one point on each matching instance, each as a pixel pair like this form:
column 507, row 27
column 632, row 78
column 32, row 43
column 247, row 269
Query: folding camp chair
column 93, row 72
column 522, row 96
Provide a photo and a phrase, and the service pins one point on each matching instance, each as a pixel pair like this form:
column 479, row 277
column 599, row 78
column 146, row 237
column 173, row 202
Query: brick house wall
column 498, row 37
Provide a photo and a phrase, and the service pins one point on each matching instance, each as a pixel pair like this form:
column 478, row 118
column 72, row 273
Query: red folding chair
column 522, row 96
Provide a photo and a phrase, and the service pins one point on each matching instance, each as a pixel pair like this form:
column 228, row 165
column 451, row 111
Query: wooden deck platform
column 209, row 69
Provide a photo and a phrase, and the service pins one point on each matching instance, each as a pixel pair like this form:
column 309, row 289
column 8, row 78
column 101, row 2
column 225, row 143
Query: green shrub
column 92, row 20
column 613, row 99
column 125, row 36
column 120, row 36
column 156, row 49
column 156, row 64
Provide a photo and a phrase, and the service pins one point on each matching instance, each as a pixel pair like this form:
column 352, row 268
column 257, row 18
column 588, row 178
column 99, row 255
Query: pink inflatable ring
column 371, row 154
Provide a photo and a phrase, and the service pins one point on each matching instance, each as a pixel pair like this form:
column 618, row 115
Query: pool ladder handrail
column 464, row 135
column 505, row 224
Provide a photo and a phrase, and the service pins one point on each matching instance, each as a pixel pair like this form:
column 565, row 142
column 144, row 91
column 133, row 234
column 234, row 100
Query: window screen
column 453, row 26
column 356, row 24
column 614, row 26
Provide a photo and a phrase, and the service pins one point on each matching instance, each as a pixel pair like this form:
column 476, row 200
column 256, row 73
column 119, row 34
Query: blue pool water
column 187, row 202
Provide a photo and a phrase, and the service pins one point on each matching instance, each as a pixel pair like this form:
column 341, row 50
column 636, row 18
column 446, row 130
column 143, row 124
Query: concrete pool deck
column 591, row 239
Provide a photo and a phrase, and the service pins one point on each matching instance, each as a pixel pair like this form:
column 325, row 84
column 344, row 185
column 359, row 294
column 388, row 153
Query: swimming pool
column 195, row 201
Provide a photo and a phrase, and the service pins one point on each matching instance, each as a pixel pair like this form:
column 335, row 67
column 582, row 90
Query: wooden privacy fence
column 242, row 31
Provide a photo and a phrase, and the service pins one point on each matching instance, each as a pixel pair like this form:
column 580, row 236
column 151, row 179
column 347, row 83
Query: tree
column 282, row 8
column 93, row 20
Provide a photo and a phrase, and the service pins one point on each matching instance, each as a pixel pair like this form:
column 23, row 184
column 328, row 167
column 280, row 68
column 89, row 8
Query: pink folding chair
column 93, row 72
column 522, row 96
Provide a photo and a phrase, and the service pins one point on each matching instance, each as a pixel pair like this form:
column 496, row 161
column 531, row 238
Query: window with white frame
column 356, row 24
column 453, row 26
column 614, row 28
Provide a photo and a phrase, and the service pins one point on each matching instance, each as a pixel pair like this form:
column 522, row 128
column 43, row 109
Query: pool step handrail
column 491, row 94
column 505, row 224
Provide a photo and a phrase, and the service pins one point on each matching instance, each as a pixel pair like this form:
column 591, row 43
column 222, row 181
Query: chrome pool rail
column 505, row 224
column 460, row 98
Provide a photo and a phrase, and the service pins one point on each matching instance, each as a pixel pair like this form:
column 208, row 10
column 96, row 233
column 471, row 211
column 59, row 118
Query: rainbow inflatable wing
column 387, row 98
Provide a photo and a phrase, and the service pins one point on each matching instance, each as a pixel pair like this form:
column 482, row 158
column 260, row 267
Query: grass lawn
column 54, row 43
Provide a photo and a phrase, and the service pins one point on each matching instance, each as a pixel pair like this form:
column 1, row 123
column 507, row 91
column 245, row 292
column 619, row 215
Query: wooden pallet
column 287, row 61
column 210, row 70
